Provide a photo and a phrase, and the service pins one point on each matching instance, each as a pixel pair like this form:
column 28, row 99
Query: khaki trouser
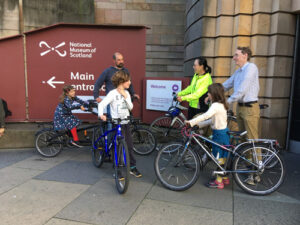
column 248, row 119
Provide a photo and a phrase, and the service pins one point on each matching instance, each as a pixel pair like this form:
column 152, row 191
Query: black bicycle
column 50, row 143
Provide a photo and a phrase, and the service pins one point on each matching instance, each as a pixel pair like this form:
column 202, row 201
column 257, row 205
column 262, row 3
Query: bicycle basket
column 173, row 111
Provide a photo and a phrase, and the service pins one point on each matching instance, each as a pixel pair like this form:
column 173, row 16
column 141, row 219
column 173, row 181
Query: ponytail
column 207, row 69
column 202, row 61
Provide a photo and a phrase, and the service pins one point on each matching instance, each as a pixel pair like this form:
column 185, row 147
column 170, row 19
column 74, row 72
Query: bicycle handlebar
column 131, row 119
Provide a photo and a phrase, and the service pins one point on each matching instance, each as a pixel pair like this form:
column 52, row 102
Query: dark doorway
column 294, row 132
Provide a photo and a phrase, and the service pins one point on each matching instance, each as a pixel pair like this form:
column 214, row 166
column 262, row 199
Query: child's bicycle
column 178, row 168
column 117, row 148
column 49, row 142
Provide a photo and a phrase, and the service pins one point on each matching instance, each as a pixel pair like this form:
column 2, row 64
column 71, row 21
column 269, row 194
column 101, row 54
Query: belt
column 247, row 104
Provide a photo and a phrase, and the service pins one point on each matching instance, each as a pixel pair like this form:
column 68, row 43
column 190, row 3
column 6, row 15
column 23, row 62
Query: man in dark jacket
column 105, row 77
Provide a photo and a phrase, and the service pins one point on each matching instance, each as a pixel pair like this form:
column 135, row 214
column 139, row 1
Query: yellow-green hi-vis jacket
column 196, row 89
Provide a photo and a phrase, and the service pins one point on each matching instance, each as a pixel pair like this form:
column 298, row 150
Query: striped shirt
column 245, row 84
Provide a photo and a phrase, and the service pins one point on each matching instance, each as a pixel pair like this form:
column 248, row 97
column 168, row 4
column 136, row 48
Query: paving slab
column 249, row 211
column 102, row 204
column 11, row 156
column 39, row 162
column 153, row 212
column 36, row 201
column 56, row 221
column 198, row 195
column 79, row 172
column 11, row 177
column 291, row 185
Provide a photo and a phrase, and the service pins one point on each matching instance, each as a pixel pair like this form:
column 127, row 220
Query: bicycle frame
column 117, row 135
column 230, row 151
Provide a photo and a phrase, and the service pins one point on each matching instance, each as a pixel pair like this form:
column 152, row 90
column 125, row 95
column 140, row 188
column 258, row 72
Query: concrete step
column 19, row 135
column 22, row 135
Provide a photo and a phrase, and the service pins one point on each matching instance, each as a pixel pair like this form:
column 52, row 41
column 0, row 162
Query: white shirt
column 245, row 84
column 218, row 115
column 119, row 106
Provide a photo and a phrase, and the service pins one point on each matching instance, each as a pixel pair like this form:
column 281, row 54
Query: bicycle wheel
column 143, row 141
column 166, row 126
column 264, row 180
column 178, row 169
column 122, row 166
column 48, row 143
column 98, row 147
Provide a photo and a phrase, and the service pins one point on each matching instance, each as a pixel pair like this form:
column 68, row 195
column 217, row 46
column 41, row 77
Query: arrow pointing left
column 51, row 82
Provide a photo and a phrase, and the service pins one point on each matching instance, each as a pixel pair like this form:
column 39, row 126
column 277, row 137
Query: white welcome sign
column 159, row 93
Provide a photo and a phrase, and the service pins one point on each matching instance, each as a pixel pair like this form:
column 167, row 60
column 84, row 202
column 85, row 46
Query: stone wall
column 164, row 39
column 216, row 27
column 9, row 17
column 38, row 13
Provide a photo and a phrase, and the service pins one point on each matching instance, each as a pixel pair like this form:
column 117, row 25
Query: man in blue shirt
column 245, row 84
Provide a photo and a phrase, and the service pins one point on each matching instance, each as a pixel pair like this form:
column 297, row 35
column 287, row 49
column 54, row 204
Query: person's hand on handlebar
column 98, row 100
column 179, row 98
column 136, row 96
column 187, row 123
column 103, row 117
column 82, row 108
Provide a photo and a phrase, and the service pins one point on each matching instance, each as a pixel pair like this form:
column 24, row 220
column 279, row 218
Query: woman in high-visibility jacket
column 196, row 92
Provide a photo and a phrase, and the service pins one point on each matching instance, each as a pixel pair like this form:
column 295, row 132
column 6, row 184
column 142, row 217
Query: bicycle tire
column 162, row 127
column 48, row 144
column 188, row 162
column 265, row 181
column 121, row 166
column 98, row 148
column 144, row 141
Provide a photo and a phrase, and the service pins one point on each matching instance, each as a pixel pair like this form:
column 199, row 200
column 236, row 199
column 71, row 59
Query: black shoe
column 76, row 144
column 135, row 172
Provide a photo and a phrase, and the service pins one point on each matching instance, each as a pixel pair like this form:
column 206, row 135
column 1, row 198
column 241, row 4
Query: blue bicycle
column 117, row 149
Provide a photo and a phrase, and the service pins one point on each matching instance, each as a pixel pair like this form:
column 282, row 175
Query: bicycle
column 179, row 169
column 171, row 123
column 49, row 142
column 144, row 141
column 120, row 155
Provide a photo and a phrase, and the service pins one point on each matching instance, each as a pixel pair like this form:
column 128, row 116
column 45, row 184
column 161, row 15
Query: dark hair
column 120, row 77
column 245, row 50
column 202, row 61
column 217, row 93
column 66, row 90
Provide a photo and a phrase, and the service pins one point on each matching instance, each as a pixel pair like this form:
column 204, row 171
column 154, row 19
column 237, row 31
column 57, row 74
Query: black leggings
column 193, row 111
column 128, row 139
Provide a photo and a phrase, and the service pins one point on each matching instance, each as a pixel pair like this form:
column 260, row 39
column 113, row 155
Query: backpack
column 6, row 110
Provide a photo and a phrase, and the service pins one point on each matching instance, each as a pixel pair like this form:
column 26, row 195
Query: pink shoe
column 216, row 184
column 226, row 181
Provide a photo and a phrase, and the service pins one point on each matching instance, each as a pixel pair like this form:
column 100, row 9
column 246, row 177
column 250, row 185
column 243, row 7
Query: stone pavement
column 69, row 190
